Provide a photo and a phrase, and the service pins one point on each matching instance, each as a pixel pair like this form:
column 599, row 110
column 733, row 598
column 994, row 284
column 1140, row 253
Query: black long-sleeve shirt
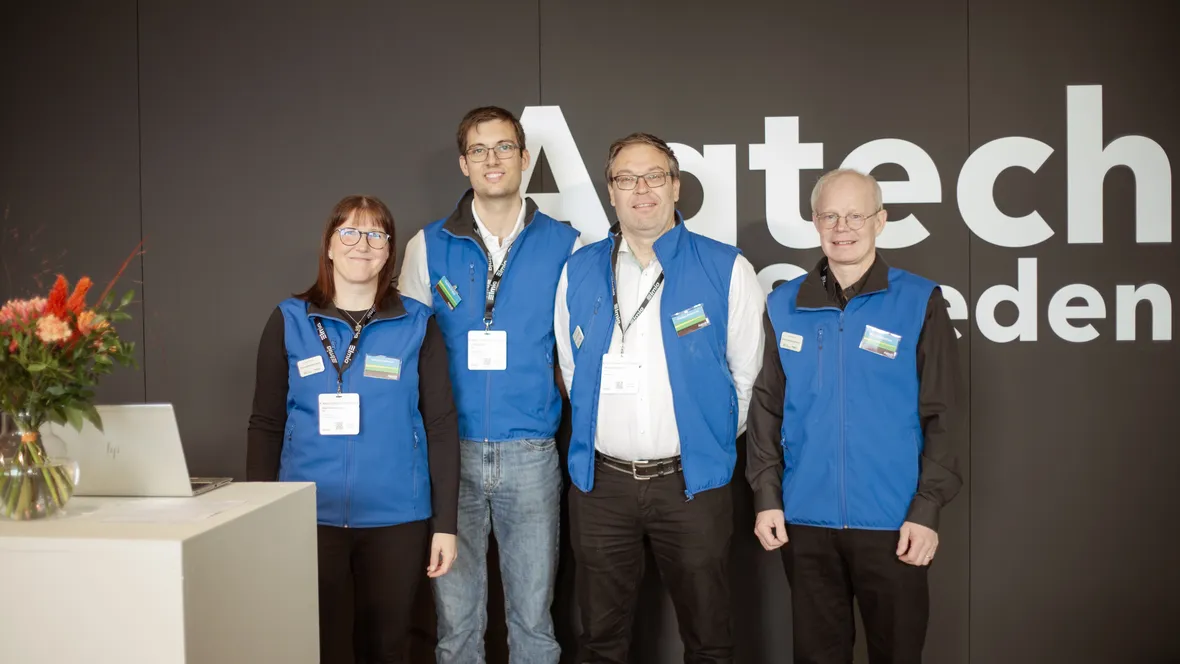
column 940, row 404
column 264, row 441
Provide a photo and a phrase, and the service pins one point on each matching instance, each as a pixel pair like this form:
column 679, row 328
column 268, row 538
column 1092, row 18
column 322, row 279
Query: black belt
column 641, row 470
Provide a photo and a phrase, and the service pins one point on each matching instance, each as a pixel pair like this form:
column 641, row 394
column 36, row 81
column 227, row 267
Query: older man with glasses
column 855, row 434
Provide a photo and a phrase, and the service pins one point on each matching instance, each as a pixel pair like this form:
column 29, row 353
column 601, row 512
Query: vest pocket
column 414, row 464
column 819, row 360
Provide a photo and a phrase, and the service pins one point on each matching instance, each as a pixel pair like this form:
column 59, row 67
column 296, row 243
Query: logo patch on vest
column 379, row 366
column 578, row 337
column 880, row 342
column 791, row 342
column 690, row 320
column 448, row 292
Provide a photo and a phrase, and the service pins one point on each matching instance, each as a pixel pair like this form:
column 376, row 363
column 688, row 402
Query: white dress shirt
column 642, row 426
column 415, row 273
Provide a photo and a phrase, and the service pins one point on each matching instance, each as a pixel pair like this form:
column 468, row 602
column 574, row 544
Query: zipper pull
column 821, row 338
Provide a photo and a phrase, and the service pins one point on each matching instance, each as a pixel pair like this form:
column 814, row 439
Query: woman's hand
column 443, row 549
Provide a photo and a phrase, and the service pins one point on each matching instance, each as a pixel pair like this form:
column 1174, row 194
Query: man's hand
column 443, row 549
column 917, row 544
column 770, row 529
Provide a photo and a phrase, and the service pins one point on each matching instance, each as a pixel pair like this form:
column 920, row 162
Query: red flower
column 77, row 301
column 57, row 297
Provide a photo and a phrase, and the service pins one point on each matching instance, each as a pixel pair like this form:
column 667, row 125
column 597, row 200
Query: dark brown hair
column 323, row 291
column 640, row 138
column 478, row 116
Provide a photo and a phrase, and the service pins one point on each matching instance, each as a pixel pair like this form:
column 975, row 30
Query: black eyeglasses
column 502, row 150
column 350, row 236
column 653, row 180
column 855, row 220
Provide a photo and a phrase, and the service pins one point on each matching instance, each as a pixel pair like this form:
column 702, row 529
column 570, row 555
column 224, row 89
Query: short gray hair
column 832, row 175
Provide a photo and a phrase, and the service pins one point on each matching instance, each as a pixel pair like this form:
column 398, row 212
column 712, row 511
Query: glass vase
column 36, row 478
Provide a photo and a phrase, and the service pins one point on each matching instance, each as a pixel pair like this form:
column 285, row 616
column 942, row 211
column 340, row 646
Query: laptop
column 138, row 453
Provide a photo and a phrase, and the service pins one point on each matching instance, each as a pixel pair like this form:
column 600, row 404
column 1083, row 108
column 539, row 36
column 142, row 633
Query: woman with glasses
column 353, row 393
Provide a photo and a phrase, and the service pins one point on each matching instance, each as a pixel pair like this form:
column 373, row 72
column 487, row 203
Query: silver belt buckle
column 635, row 471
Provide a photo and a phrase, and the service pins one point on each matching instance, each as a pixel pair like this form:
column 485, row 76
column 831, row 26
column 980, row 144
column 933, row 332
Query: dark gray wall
column 221, row 133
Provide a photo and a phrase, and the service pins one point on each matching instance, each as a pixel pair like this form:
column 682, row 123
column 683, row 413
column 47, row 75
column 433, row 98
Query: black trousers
column 690, row 542
column 826, row 568
column 368, row 578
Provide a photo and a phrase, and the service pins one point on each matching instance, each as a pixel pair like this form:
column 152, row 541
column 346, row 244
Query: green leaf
column 57, row 417
column 126, row 298
column 56, row 390
column 91, row 414
column 36, row 367
column 102, row 359
column 75, row 418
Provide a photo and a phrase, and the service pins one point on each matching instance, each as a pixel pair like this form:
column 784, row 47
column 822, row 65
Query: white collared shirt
column 642, row 426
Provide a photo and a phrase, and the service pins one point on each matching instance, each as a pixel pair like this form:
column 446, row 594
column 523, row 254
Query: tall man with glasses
column 855, row 434
column 490, row 272
column 658, row 335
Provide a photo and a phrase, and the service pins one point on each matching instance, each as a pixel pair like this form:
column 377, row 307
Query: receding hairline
column 831, row 176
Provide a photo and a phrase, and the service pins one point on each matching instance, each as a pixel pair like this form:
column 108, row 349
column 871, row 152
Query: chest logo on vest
column 312, row 365
column 690, row 320
column 791, row 342
column 379, row 366
column 880, row 342
column 578, row 337
column 448, row 292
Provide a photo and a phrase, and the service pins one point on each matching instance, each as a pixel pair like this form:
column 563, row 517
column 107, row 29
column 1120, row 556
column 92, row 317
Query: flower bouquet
column 52, row 352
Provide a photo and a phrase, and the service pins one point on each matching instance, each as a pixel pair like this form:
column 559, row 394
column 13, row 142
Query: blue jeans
column 514, row 489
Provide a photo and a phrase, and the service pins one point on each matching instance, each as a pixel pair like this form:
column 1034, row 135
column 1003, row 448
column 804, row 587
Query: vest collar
column 813, row 295
column 393, row 309
column 462, row 224
column 665, row 247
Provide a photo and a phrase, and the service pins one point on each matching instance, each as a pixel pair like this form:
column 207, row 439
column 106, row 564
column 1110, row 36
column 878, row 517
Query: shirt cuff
column 924, row 512
column 768, row 498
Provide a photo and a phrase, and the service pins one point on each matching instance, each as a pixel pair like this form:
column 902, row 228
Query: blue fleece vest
column 380, row 477
column 522, row 401
column 697, row 270
column 851, row 436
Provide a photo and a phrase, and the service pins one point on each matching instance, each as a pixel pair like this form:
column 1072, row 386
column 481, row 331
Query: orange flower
column 88, row 321
column 78, row 299
column 57, row 297
column 51, row 329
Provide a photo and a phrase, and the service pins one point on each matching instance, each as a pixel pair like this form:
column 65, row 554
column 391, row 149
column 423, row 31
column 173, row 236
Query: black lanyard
column 615, row 296
column 494, row 278
column 348, row 354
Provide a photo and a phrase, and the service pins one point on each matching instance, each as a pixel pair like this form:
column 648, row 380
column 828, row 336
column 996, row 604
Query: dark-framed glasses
column 854, row 220
column 480, row 153
column 653, row 180
column 350, row 236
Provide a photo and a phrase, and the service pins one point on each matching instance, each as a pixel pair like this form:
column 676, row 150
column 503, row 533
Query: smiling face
column 494, row 172
column 357, row 263
column 644, row 210
column 846, row 202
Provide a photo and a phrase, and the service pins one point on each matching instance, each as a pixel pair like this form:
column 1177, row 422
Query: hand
column 771, row 529
column 917, row 544
column 443, row 550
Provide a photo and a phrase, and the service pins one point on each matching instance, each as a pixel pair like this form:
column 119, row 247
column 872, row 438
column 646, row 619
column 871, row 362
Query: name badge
column 379, row 366
column 790, row 341
column 312, row 365
column 620, row 375
column 690, row 320
column 487, row 350
column 449, row 293
column 880, row 342
column 340, row 414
